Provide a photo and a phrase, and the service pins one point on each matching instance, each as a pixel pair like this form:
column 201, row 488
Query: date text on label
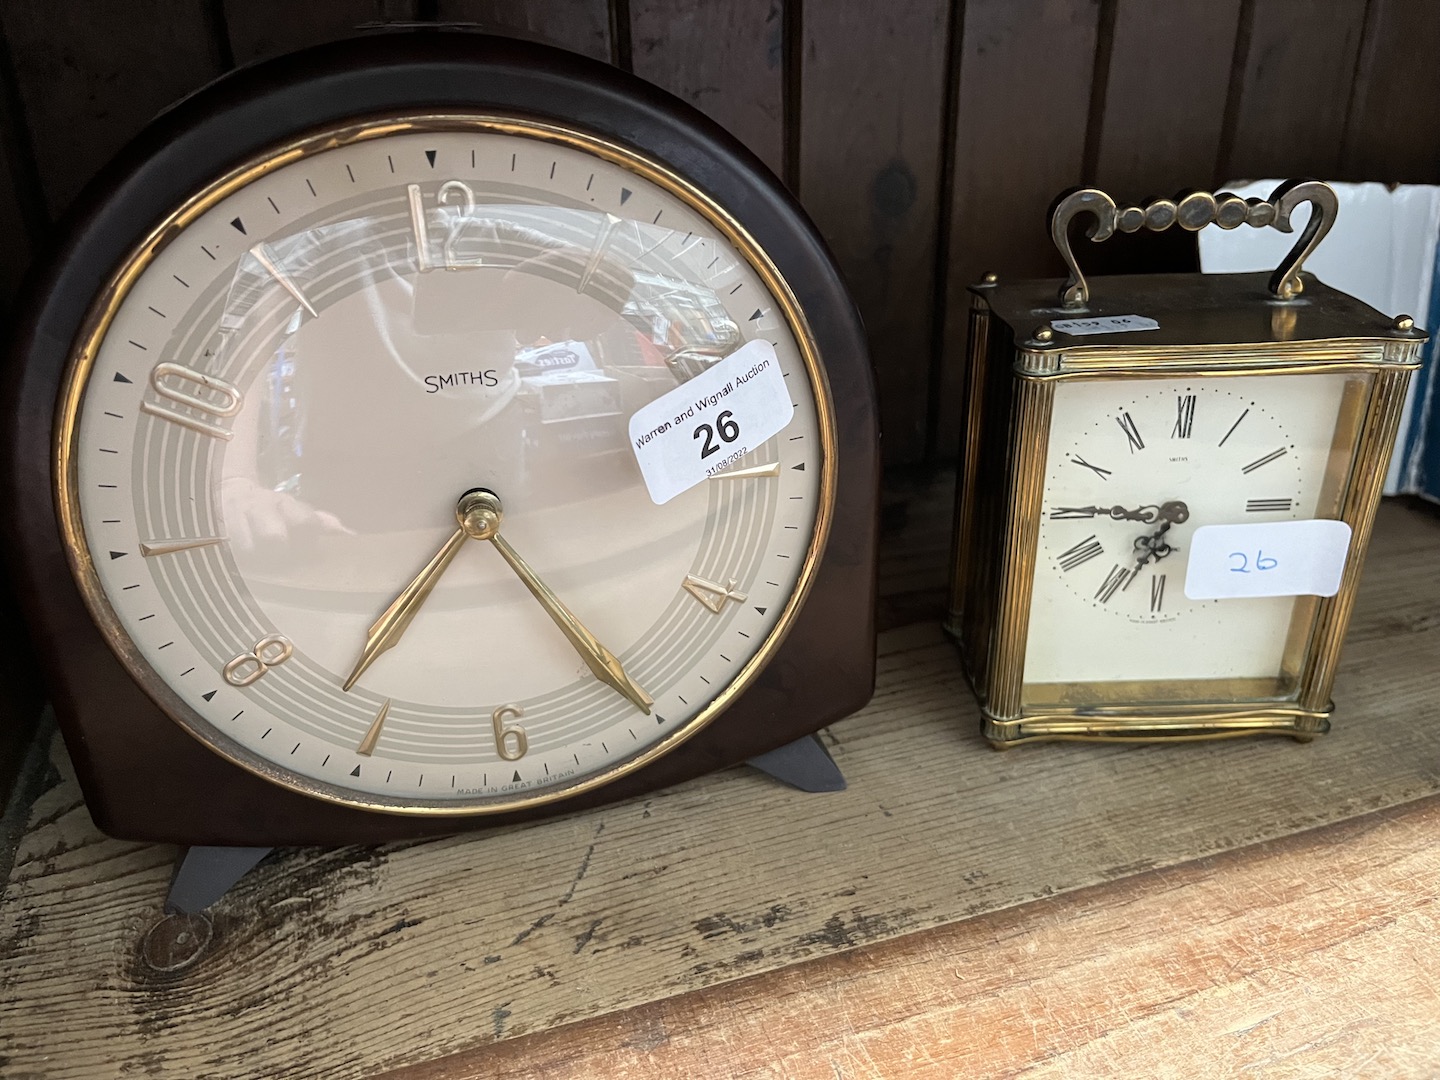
column 1282, row 558
column 710, row 422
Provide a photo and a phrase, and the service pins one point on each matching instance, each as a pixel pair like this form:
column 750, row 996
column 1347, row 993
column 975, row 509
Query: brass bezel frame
column 333, row 136
column 1038, row 366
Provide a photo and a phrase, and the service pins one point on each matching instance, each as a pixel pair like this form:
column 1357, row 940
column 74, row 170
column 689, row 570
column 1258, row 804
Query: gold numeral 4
column 713, row 596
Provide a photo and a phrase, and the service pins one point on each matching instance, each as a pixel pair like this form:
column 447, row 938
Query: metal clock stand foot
column 204, row 874
column 804, row 764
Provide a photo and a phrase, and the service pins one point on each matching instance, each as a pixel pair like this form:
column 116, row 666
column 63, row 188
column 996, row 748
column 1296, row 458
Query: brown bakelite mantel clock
column 1168, row 484
column 432, row 431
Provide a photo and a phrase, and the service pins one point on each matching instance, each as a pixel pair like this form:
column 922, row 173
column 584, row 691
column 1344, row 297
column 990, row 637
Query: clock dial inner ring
column 1133, row 468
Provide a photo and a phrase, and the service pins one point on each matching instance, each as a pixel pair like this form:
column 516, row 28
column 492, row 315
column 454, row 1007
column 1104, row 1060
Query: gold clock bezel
column 103, row 310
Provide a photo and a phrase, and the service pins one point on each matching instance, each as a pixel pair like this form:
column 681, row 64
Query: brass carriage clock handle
column 1193, row 211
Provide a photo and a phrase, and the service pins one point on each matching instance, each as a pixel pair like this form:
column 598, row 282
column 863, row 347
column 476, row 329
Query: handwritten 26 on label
column 1281, row 558
column 710, row 422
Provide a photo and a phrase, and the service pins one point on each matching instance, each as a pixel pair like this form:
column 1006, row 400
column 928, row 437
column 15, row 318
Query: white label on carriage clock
column 1280, row 558
column 1104, row 324
column 707, row 424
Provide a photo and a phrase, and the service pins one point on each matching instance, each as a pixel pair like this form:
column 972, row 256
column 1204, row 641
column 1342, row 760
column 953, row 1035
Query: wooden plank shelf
column 924, row 137
column 1307, row 956
column 344, row 963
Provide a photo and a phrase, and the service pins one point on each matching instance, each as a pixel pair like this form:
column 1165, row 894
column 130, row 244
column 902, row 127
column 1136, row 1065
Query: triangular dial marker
column 758, row 314
column 761, row 610
column 118, row 554
column 355, row 771
column 516, row 779
column 209, row 696
column 798, row 468
column 430, row 157
column 625, row 194
column 120, row 378
column 239, row 225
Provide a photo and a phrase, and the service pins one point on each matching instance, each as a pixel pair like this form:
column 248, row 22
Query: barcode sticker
column 1104, row 324
column 1280, row 558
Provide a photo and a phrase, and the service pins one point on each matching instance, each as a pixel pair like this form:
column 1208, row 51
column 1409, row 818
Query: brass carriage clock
column 1168, row 484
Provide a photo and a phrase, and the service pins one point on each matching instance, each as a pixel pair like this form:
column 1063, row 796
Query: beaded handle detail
column 1193, row 211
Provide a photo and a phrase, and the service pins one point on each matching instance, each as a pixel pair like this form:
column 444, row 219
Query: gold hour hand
column 394, row 620
column 479, row 513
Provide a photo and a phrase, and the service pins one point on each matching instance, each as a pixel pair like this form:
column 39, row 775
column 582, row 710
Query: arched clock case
column 393, row 300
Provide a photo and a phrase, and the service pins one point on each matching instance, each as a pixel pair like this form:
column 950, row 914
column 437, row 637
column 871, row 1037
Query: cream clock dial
column 1134, row 467
column 351, row 466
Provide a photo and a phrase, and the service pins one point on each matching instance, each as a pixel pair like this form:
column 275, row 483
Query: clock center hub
column 479, row 513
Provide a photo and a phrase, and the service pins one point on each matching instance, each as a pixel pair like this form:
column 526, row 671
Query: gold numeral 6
column 510, row 742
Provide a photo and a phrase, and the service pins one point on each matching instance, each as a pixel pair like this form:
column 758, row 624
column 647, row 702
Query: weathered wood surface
column 15, row 231
column 1018, row 140
column 1309, row 956
column 1303, row 53
column 869, row 174
column 727, row 60
column 1396, row 95
column 83, row 96
column 1159, row 104
column 414, row 951
column 255, row 29
column 581, row 26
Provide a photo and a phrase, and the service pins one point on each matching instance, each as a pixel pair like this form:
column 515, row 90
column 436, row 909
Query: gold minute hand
column 394, row 620
column 479, row 513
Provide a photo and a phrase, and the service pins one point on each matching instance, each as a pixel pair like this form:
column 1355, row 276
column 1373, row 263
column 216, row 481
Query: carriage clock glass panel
column 392, row 372
column 1134, row 467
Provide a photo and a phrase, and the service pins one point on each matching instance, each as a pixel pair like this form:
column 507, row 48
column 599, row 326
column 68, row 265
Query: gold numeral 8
column 248, row 667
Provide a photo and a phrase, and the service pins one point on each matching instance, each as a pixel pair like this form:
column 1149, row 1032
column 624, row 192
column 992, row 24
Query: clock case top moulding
column 143, row 776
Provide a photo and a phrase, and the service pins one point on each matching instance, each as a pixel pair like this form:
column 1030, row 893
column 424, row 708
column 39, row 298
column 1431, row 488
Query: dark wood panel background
column 926, row 137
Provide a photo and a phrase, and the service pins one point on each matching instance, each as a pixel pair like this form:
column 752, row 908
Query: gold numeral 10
column 230, row 403
column 248, row 667
column 510, row 742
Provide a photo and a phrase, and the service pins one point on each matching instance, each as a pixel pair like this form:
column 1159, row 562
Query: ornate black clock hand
column 1117, row 513
column 1150, row 546
column 1173, row 512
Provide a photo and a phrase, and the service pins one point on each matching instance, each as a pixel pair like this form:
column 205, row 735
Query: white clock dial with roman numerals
column 300, row 383
column 1133, row 468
